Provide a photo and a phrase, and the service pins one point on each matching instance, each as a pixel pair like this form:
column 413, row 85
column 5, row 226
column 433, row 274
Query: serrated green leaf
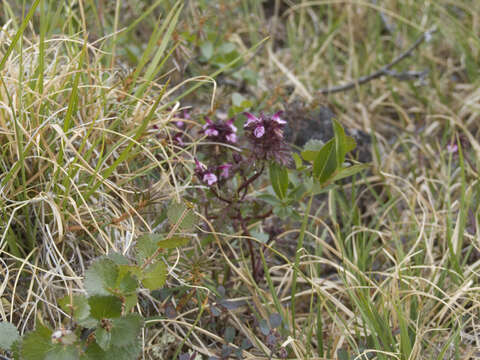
column 105, row 307
column 130, row 302
column 311, row 149
column 146, row 246
column 101, row 277
column 349, row 171
column 125, row 330
column 77, row 305
column 325, row 163
column 103, row 338
column 154, row 276
column 118, row 259
column 8, row 335
column 279, row 179
column 94, row 352
column 36, row 344
column 126, row 352
column 176, row 211
column 127, row 282
column 63, row 352
column 173, row 242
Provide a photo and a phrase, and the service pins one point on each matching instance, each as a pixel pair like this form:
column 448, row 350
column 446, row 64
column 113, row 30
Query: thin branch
column 385, row 70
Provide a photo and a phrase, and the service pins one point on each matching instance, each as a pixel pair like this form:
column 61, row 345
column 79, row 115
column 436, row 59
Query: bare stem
column 384, row 71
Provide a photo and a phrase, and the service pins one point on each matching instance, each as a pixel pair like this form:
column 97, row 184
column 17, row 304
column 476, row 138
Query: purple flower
column 250, row 119
column 199, row 167
column 209, row 128
column 178, row 139
column 224, row 132
column 265, row 134
column 210, row 178
column 452, row 148
column 276, row 118
column 259, row 131
column 205, row 174
column 231, row 138
column 225, row 170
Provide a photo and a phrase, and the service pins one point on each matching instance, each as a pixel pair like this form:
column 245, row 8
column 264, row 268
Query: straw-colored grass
column 391, row 260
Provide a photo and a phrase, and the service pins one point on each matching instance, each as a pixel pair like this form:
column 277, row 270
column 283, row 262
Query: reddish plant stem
column 247, row 182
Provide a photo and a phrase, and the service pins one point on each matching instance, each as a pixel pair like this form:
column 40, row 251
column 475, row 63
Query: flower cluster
column 211, row 175
column 224, row 132
column 265, row 134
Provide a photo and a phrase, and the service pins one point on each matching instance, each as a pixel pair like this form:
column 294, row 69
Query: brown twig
column 384, row 71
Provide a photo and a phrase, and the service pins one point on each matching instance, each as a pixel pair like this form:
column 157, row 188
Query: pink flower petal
column 259, row 131
column 211, row 132
column 178, row 139
column 231, row 126
column 199, row 166
column 225, row 170
column 210, row 178
column 452, row 148
column 250, row 119
column 231, row 137
column 277, row 119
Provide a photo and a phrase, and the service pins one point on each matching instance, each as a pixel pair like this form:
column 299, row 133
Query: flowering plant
column 234, row 164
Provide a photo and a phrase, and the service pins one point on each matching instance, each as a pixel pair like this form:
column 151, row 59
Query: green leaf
column 36, row 344
column 207, row 50
column 340, row 142
column 311, row 149
column 78, row 306
column 270, row 199
column 8, row 335
column 105, row 307
column 279, row 179
column 260, row 236
column 229, row 334
column 130, row 301
column 298, row 161
column 349, row 171
column 226, row 48
column 127, row 282
column 173, row 242
column 118, row 258
column 325, row 163
column 95, row 352
column 103, row 338
column 237, row 99
column 176, row 211
column 101, row 277
column 350, row 144
column 125, row 330
column 297, row 192
column 63, row 352
column 154, row 276
column 146, row 246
